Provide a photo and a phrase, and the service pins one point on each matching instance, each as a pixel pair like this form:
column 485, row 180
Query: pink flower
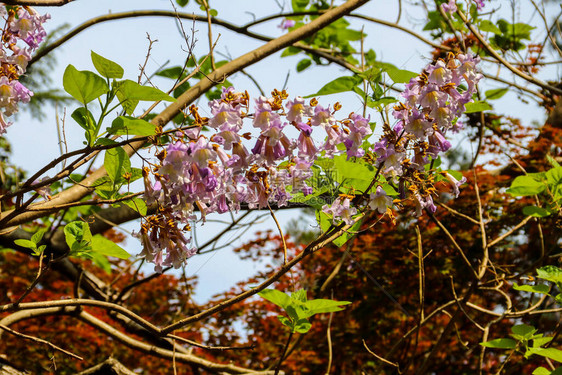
column 341, row 210
column 285, row 24
column 379, row 201
column 297, row 108
column 449, row 7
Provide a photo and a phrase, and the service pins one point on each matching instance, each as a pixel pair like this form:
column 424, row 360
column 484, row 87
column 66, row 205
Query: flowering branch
column 78, row 192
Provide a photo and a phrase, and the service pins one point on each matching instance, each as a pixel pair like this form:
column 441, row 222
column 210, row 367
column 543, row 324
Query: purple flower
column 424, row 203
column 379, row 201
column 449, row 7
column 418, row 125
column 297, row 108
column 322, row 116
column 264, row 118
column 225, row 117
column 439, row 74
column 285, row 24
column 454, row 183
column 341, row 210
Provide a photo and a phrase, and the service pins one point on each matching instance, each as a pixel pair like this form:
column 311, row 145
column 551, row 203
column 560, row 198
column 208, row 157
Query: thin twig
column 504, row 62
column 278, row 367
column 36, row 339
column 379, row 357
column 280, row 233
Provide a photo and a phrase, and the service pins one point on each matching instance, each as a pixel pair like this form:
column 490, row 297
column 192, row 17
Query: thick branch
column 128, row 341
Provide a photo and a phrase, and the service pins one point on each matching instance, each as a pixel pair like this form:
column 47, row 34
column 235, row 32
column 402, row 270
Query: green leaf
column 296, row 311
column 116, row 162
column 318, row 306
column 86, row 120
column 302, row 326
column 130, row 93
column 132, row 90
column 101, row 261
column 136, row 173
column 389, row 190
column 550, row 273
column 275, row 296
column 126, row 125
column 286, row 322
column 541, row 371
column 353, row 175
column 477, row 106
column 400, row 75
column 105, row 187
column 213, row 12
column 526, row 185
column 299, row 5
column 299, row 295
column 78, row 236
column 540, row 341
column 489, row 26
column 290, row 51
column 39, row 250
column 381, row 103
column 551, row 353
column 539, row 288
column 554, row 176
column 103, row 246
column 84, row 85
column 535, row 211
column 523, row 331
column 495, row 93
column 500, row 343
column 26, row 243
column 303, row 64
column 37, row 236
column 324, row 221
column 136, row 204
column 341, row 84
column 173, row 73
column 105, row 67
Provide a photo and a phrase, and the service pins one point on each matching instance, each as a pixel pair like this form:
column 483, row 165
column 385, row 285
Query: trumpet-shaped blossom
column 341, row 209
column 22, row 33
column 379, row 201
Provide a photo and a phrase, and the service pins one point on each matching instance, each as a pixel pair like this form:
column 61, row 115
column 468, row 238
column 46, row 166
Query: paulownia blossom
column 226, row 169
column 433, row 102
column 221, row 171
column 23, row 32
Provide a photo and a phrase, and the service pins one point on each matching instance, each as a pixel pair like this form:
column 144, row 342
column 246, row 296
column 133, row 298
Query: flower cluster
column 451, row 6
column 22, row 34
column 226, row 168
column 431, row 107
column 221, row 171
